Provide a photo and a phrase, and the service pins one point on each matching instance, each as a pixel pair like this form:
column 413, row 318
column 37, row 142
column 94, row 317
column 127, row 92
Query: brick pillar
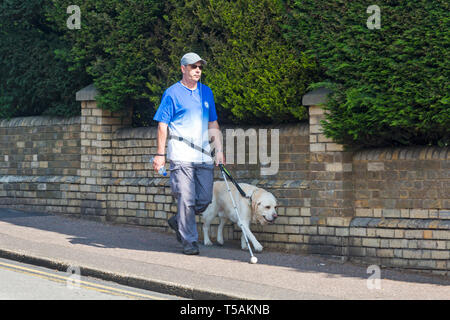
column 330, row 173
column 97, row 128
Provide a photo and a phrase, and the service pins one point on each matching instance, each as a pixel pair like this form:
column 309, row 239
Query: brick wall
column 39, row 163
column 388, row 207
column 137, row 195
column 402, row 201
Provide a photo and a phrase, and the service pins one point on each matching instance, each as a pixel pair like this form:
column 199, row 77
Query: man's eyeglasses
column 194, row 66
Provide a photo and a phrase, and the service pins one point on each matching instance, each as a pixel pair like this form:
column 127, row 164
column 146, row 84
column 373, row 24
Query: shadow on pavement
column 106, row 235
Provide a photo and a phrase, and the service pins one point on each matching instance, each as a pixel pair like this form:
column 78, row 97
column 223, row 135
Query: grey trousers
column 192, row 186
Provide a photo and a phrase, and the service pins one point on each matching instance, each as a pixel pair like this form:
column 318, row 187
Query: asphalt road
column 20, row 281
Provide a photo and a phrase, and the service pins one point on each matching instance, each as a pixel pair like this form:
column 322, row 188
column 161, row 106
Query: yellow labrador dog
column 259, row 207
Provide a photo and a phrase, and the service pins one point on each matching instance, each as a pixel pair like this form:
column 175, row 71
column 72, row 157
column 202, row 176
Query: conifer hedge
column 132, row 51
column 390, row 84
column 33, row 80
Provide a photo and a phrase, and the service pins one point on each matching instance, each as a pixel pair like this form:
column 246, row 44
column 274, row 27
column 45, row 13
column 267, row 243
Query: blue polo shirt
column 187, row 113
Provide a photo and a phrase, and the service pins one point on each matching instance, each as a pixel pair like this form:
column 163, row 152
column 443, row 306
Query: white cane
column 253, row 259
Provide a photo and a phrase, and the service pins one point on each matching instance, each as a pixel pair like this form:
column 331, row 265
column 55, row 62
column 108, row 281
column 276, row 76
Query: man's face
column 192, row 72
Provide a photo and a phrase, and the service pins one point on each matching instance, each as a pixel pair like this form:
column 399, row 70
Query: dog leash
column 228, row 174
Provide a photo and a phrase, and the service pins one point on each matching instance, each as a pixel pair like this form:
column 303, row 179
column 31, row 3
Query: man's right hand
column 158, row 162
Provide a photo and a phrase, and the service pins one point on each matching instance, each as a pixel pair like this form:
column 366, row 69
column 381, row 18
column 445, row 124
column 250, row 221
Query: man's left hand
column 220, row 158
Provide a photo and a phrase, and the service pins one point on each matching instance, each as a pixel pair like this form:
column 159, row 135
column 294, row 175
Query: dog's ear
column 253, row 213
column 255, row 200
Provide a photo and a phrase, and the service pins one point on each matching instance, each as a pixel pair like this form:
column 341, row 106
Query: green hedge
column 118, row 45
column 132, row 51
column 256, row 75
column 391, row 85
column 33, row 80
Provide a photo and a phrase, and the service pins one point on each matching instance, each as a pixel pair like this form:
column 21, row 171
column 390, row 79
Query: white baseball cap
column 191, row 58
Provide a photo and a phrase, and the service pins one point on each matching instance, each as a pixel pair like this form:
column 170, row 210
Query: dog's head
column 264, row 207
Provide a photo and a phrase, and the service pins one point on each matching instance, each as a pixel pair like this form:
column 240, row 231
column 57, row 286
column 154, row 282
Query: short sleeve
column 165, row 110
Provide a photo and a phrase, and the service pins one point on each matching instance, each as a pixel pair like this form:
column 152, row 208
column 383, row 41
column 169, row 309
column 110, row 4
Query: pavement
column 150, row 259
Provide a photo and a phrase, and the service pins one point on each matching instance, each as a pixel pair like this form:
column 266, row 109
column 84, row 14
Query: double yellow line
column 81, row 283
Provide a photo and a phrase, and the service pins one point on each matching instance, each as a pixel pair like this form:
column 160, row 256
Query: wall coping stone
column 86, row 94
column 286, row 184
column 38, row 121
column 40, row 179
column 300, row 128
column 406, row 153
column 404, row 223
column 261, row 183
column 316, row 97
column 151, row 132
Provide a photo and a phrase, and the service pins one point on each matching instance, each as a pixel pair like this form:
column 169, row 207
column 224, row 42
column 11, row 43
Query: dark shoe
column 174, row 225
column 191, row 249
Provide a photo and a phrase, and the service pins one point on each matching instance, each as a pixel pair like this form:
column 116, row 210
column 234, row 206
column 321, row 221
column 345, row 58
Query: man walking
column 188, row 111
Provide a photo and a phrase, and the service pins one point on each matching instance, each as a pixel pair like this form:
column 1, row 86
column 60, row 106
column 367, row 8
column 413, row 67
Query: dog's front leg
column 206, row 224
column 251, row 238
